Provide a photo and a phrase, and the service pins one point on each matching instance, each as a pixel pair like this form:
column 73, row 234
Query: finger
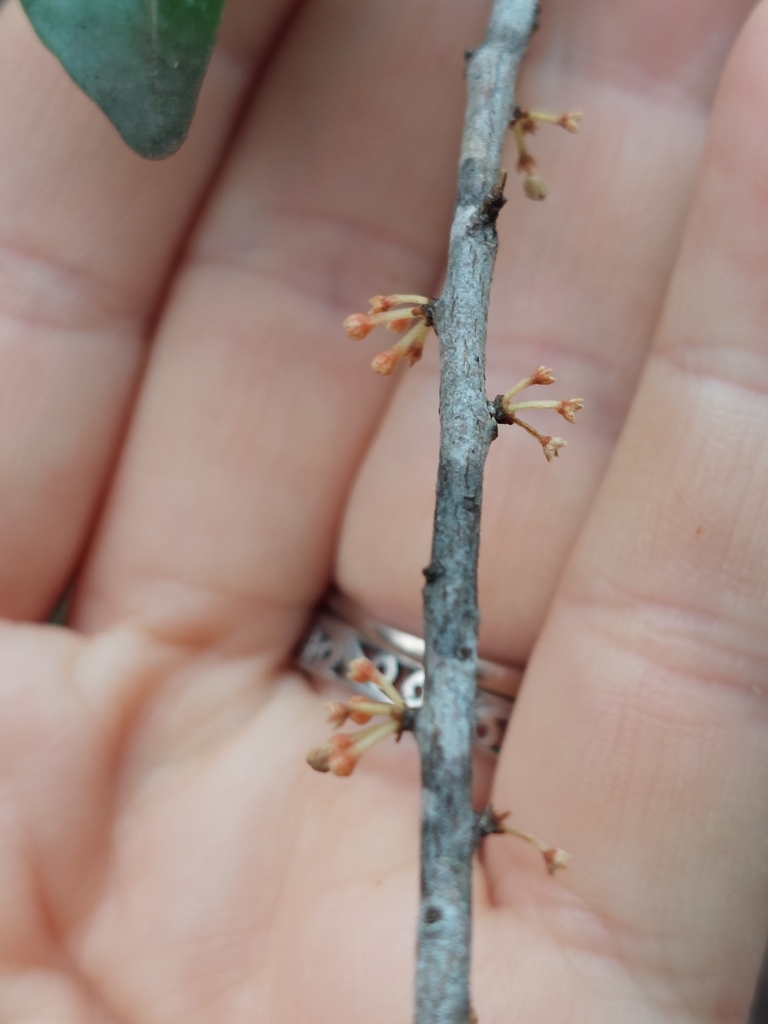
column 88, row 233
column 257, row 408
column 578, row 286
column 639, row 739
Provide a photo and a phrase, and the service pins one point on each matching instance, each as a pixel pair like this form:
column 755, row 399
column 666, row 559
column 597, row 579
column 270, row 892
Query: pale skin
column 182, row 416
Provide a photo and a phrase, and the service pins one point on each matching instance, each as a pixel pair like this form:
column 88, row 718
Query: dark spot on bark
column 433, row 572
column 408, row 720
column 429, row 312
column 432, row 915
column 498, row 411
column 465, row 653
column 492, row 204
column 470, row 178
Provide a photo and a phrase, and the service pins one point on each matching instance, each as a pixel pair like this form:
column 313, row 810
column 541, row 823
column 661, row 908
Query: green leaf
column 142, row 61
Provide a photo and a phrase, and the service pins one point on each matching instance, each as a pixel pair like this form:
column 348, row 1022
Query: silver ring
column 341, row 631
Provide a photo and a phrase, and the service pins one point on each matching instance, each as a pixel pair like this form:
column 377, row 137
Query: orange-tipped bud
column 337, row 755
column 385, row 362
column 360, row 709
column 398, row 325
column 344, row 749
column 359, row 326
column 362, row 670
column 343, row 756
column 357, row 714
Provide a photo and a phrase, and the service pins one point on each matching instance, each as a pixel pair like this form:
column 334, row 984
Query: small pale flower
column 555, row 859
column 570, row 407
column 570, row 121
column 552, row 446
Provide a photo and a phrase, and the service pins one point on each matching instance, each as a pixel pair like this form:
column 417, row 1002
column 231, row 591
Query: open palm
column 182, row 416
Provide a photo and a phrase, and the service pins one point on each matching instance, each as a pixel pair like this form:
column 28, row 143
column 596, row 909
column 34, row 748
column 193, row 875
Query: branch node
column 433, row 572
column 493, row 202
column 497, row 411
column 428, row 312
column 505, row 410
column 486, row 823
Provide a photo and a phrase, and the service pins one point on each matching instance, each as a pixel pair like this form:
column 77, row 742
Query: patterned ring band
column 342, row 631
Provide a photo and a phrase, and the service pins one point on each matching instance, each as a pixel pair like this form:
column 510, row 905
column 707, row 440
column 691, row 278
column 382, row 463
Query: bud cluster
column 344, row 749
column 508, row 410
column 398, row 313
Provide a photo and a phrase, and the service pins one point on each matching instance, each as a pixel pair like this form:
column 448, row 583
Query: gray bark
column 467, row 427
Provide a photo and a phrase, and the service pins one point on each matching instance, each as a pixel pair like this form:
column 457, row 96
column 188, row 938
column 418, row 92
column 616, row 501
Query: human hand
column 165, row 852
